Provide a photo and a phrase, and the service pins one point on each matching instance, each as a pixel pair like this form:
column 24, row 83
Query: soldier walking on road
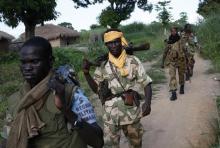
column 175, row 55
column 125, row 76
column 189, row 44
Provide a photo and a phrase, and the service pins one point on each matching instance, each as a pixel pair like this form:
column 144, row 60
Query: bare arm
column 148, row 94
column 92, row 84
column 146, row 108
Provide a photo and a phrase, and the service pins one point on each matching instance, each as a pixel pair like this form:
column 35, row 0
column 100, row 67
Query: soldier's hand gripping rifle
column 129, row 50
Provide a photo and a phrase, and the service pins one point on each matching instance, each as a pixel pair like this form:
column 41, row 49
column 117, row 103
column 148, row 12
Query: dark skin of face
column 173, row 32
column 115, row 47
column 35, row 65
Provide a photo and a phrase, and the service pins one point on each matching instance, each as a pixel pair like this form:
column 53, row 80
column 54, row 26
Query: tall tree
column 108, row 17
column 85, row 3
column 164, row 14
column 207, row 7
column 183, row 19
column 67, row 25
column 117, row 11
column 30, row 12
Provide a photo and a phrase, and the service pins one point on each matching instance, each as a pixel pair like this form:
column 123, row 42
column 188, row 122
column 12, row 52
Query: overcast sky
column 82, row 18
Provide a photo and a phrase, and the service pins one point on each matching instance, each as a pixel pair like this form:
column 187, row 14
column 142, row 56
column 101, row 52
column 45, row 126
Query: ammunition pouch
column 131, row 97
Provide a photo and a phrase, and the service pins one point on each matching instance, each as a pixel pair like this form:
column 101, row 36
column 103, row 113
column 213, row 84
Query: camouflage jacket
column 115, row 112
column 188, row 42
column 175, row 53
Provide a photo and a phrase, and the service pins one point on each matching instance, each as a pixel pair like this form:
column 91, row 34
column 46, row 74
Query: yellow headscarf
column 112, row 35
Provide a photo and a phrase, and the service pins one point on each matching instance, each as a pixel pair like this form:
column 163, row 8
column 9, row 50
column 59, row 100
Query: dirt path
column 187, row 122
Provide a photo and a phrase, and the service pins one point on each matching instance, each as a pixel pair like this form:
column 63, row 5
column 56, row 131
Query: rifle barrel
column 145, row 46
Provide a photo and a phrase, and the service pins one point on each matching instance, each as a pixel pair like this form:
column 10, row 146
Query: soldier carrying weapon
column 124, row 76
column 189, row 44
column 176, row 59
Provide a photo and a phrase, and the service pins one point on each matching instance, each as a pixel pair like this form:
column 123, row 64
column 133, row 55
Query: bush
column 68, row 56
column 133, row 28
column 10, row 76
column 8, row 57
column 208, row 35
column 84, row 36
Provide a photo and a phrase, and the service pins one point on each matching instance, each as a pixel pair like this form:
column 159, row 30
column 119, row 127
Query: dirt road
column 187, row 122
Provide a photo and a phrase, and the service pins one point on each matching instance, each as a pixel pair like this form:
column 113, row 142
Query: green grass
column 208, row 34
column 10, row 77
column 157, row 75
column 217, row 126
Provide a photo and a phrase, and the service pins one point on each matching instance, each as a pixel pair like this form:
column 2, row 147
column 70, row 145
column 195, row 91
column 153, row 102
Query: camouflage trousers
column 133, row 132
column 172, row 72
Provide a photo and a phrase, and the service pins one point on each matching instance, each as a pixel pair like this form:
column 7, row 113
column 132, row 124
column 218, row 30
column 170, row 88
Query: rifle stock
column 144, row 46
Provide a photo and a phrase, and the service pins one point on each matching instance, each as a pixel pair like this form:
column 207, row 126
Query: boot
column 181, row 89
column 173, row 96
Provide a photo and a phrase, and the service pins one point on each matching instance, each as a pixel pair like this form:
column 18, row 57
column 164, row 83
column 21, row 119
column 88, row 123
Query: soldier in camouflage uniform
column 189, row 44
column 129, row 75
column 175, row 55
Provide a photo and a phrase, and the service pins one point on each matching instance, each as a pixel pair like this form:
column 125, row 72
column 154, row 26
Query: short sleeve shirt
column 115, row 112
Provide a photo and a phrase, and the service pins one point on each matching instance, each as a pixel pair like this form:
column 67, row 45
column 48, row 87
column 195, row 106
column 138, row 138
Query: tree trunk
column 29, row 30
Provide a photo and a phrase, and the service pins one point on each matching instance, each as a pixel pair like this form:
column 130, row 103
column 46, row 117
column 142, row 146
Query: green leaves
column 144, row 5
column 35, row 11
column 109, row 17
column 30, row 12
column 120, row 10
column 66, row 24
column 85, row 3
column 183, row 18
column 207, row 7
column 164, row 14
column 208, row 36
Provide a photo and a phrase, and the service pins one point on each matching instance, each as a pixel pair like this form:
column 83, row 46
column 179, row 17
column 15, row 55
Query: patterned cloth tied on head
column 112, row 35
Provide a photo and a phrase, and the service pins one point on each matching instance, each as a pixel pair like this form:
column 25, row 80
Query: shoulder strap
column 116, row 76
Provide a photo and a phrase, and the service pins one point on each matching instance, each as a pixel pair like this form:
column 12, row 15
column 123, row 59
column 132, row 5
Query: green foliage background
column 208, row 34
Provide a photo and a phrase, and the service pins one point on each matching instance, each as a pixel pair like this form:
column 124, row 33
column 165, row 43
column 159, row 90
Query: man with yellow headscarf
column 123, row 73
